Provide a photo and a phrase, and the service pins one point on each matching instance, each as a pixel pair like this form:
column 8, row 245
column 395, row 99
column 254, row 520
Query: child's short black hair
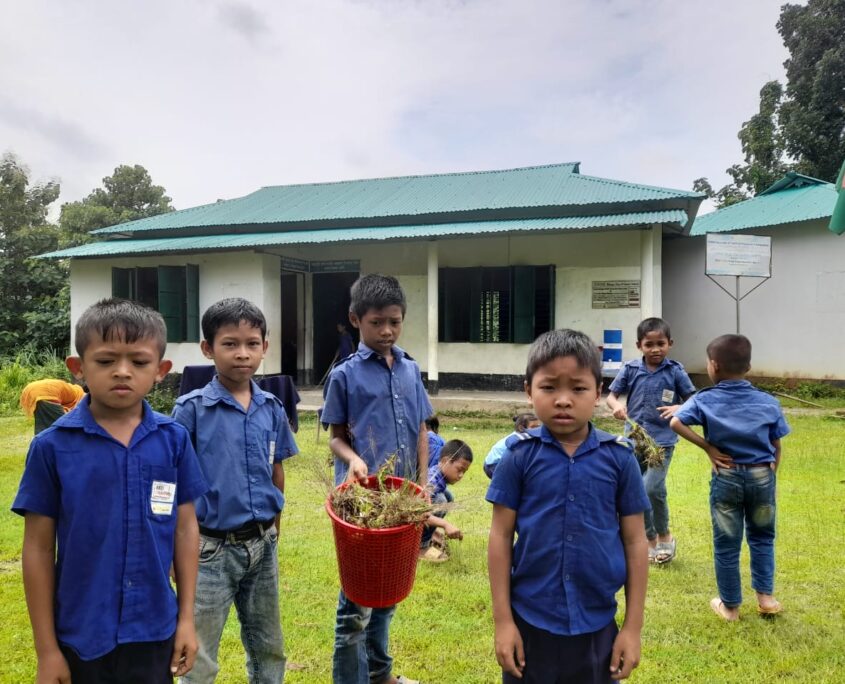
column 650, row 325
column 522, row 420
column 732, row 353
column 375, row 291
column 120, row 319
column 455, row 449
column 232, row 311
column 556, row 343
column 433, row 423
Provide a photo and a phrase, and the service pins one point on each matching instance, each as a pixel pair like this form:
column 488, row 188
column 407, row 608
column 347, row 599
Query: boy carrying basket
column 107, row 494
column 376, row 405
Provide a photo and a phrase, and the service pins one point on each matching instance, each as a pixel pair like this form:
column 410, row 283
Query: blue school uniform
column 115, row 509
column 568, row 559
column 435, row 446
column 237, row 448
column 667, row 385
column 383, row 407
column 738, row 419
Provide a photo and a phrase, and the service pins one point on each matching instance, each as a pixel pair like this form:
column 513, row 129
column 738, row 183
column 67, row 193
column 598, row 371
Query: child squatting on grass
column 376, row 405
column 743, row 427
column 455, row 460
column 108, row 497
column 242, row 436
column 574, row 496
column 656, row 385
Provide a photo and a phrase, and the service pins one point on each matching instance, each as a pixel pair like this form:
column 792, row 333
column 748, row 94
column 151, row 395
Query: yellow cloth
column 55, row 391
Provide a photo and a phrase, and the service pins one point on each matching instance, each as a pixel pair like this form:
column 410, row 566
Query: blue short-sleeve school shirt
column 237, row 448
column 568, row 559
column 738, row 419
column 115, row 509
column 666, row 385
column 435, row 446
column 382, row 406
column 437, row 483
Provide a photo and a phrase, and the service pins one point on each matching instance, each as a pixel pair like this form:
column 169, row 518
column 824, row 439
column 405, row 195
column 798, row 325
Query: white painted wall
column 795, row 321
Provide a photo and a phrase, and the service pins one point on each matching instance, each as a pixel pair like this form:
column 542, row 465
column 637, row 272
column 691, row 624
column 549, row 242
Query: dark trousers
column 46, row 413
column 555, row 659
column 144, row 662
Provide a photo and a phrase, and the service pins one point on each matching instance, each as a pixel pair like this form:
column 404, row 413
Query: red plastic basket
column 377, row 567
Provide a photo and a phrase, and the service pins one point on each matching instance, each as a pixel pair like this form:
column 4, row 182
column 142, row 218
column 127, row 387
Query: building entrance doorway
column 331, row 306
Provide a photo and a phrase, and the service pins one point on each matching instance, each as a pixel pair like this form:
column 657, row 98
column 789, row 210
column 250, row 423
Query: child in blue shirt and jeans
column 656, row 386
column 574, row 497
column 743, row 427
column 107, row 494
column 242, row 436
column 376, row 405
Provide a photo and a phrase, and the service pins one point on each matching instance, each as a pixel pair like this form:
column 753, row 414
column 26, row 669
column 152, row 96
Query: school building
column 795, row 319
column 488, row 260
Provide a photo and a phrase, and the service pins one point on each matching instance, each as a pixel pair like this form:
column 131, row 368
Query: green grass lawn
column 443, row 632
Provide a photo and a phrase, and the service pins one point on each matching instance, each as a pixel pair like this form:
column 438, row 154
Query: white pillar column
column 433, row 332
column 651, row 271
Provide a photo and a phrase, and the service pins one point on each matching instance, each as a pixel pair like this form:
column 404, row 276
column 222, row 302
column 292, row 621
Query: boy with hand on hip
column 107, row 494
column 743, row 427
column 656, row 386
column 242, row 435
column 574, row 496
column 376, row 405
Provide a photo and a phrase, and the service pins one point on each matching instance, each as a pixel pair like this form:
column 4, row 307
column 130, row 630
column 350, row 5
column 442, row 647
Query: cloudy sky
column 217, row 98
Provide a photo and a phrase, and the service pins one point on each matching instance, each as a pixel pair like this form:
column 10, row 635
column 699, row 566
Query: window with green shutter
column 173, row 291
column 495, row 304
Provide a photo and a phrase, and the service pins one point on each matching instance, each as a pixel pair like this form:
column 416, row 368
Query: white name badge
column 272, row 452
column 161, row 508
column 668, row 396
column 163, row 491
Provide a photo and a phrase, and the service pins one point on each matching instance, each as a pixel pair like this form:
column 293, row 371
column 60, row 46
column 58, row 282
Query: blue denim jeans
column 743, row 498
column 361, row 638
column 246, row 573
column 654, row 479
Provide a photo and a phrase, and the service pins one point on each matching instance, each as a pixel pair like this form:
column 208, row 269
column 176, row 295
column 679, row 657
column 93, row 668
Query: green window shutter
column 171, row 301
column 121, row 282
column 192, row 303
column 523, row 304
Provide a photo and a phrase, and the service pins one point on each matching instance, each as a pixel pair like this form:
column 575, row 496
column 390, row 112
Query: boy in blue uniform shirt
column 241, row 435
column 107, row 494
column 376, row 405
column 656, row 386
column 743, row 427
column 574, row 496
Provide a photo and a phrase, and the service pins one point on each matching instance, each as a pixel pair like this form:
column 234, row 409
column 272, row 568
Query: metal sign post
column 738, row 256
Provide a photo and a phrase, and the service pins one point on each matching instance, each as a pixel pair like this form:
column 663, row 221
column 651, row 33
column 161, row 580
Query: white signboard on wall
column 738, row 255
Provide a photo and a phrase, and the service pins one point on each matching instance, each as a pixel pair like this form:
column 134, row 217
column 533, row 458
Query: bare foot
column 723, row 611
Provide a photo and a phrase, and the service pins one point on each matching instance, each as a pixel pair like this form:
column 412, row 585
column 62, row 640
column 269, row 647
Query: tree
column 127, row 195
column 28, row 286
column 800, row 127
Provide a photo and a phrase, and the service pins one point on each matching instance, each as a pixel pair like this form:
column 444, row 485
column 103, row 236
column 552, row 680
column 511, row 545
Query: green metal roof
column 674, row 219
column 532, row 192
column 793, row 199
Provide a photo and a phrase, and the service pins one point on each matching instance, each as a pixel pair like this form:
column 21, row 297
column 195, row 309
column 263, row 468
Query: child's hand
column 666, row 412
column 718, row 459
column 185, row 648
column 452, row 532
column 621, row 413
column 509, row 652
column 626, row 653
column 52, row 669
column 358, row 469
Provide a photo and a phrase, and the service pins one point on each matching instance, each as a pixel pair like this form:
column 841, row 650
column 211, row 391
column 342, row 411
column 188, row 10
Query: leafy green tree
column 800, row 126
column 28, row 285
column 127, row 195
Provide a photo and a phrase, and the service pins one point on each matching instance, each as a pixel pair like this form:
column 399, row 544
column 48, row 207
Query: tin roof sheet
column 674, row 218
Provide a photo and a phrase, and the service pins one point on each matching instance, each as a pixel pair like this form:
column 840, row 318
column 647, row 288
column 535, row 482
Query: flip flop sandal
column 665, row 551
column 434, row 555
column 716, row 604
column 770, row 611
column 405, row 680
column 652, row 555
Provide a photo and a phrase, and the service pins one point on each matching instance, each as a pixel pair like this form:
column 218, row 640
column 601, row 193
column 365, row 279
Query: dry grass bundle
column 382, row 506
column 646, row 449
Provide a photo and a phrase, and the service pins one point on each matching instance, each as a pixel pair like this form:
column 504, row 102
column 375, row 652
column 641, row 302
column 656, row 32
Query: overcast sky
column 217, row 98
